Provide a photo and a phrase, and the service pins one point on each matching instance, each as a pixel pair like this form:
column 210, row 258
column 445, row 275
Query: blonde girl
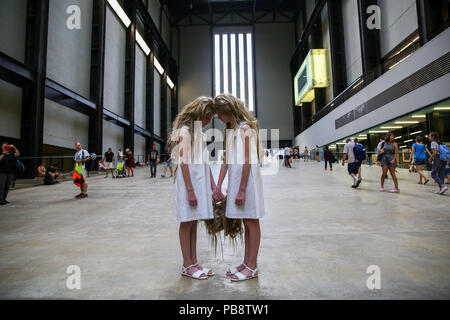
column 194, row 183
column 244, row 193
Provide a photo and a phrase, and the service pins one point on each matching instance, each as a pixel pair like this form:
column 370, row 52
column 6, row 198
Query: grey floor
column 318, row 239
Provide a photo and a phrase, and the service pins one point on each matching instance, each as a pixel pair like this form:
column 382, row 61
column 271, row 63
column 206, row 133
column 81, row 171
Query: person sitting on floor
column 41, row 170
column 52, row 175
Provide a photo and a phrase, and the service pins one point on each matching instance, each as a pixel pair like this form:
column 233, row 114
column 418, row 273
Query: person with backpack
column 352, row 165
column 360, row 155
column 8, row 167
column 439, row 158
column 419, row 158
column 389, row 161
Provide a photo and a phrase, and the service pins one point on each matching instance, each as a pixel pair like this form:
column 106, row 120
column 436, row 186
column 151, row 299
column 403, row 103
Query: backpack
column 359, row 151
column 20, row 169
column 444, row 152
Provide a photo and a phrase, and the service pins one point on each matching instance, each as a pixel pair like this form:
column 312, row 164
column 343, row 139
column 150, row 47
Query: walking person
column 305, row 154
column 419, row 153
column 8, row 164
column 194, row 183
column 360, row 155
column 130, row 162
column 352, row 163
column 108, row 160
column 245, row 198
column 81, row 157
column 167, row 163
column 380, row 155
column 287, row 157
column 317, row 153
column 152, row 160
column 389, row 161
column 438, row 161
column 328, row 157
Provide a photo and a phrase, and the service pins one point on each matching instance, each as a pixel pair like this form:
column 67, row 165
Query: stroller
column 120, row 170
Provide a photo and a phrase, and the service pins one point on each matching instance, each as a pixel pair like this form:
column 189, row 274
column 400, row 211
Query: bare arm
column 192, row 198
column 396, row 152
column 240, row 197
column 213, row 183
column 413, row 150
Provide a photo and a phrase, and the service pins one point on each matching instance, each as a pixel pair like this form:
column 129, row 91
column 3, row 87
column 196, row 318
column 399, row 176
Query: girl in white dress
column 194, row 183
column 243, row 153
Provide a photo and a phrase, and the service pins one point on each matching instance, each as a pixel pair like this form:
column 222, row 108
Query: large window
column 233, row 66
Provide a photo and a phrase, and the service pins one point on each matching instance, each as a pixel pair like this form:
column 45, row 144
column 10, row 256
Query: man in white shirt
column 353, row 164
column 81, row 157
column 287, row 157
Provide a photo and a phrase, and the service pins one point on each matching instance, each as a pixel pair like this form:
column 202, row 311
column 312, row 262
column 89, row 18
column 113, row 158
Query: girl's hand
column 393, row 161
column 218, row 195
column 192, row 198
column 240, row 198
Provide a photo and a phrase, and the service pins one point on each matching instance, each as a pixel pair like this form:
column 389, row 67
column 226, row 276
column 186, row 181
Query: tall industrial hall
column 224, row 151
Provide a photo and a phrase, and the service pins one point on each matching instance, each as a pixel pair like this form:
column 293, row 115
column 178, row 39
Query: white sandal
column 196, row 275
column 205, row 270
column 243, row 277
column 233, row 270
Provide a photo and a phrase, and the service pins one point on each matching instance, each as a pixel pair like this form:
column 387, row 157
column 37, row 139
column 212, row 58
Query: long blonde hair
column 235, row 108
column 194, row 111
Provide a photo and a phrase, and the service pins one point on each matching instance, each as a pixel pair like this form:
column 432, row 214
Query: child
column 194, row 183
column 244, row 193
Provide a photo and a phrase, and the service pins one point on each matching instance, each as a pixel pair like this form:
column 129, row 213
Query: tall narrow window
column 250, row 71
column 233, row 63
column 217, row 63
column 225, row 62
column 241, row 67
column 233, row 66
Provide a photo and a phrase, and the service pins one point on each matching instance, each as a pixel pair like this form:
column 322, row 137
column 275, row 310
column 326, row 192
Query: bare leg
column 247, row 243
column 383, row 175
column 254, row 239
column 394, row 177
column 194, row 242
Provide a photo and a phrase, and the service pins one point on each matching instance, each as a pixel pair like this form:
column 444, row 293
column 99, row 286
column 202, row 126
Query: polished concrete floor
column 318, row 239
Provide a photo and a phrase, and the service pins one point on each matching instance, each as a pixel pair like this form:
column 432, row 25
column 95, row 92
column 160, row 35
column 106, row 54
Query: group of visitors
column 387, row 152
column 125, row 163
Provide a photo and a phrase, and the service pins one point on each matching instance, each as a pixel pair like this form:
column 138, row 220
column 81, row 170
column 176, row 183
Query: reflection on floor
column 317, row 242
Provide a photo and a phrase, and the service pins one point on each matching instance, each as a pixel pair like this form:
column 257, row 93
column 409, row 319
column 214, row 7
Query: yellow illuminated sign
column 312, row 74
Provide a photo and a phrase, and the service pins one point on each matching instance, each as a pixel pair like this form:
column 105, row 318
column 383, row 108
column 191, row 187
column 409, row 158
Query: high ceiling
column 197, row 7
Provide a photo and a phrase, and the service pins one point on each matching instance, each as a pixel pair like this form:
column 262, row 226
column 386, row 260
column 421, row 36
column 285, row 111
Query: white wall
column 64, row 126
column 69, row 51
column 10, row 110
column 139, row 88
column 113, row 136
column 351, row 40
column 114, row 79
column 139, row 147
column 195, row 66
column 157, row 103
column 324, row 132
column 398, row 21
column 274, row 45
column 13, row 28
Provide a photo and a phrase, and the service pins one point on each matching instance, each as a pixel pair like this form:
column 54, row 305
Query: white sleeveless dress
column 253, row 207
column 201, row 181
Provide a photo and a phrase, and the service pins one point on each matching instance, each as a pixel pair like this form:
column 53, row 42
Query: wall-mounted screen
column 312, row 74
